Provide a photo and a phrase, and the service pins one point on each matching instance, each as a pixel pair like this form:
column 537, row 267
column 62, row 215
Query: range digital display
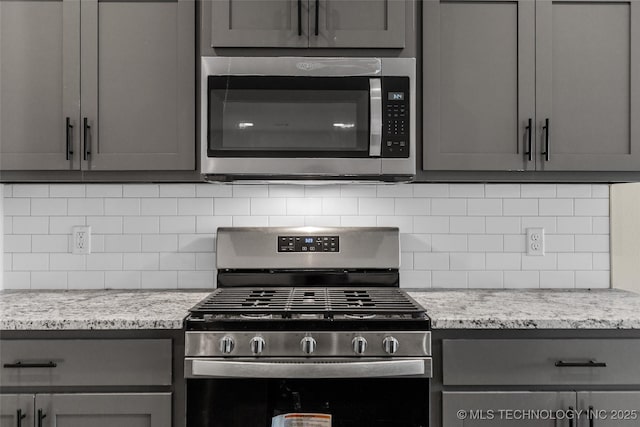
column 306, row 244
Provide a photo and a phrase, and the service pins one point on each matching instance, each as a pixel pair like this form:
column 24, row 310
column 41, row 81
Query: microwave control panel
column 395, row 113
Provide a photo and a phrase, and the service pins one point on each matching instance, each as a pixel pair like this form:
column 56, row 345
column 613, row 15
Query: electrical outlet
column 535, row 241
column 81, row 240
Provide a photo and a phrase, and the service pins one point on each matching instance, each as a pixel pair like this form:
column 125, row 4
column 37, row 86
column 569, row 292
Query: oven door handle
column 198, row 368
column 375, row 117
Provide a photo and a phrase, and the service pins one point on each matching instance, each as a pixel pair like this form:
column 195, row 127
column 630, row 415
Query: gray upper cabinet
column 104, row 410
column 14, row 406
column 39, row 84
column 138, row 85
column 588, row 84
column 307, row 23
column 357, row 23
column 478, row 84
column 259, row 23
column 482, row 409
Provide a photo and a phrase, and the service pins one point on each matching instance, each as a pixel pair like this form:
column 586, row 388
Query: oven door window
column 269, row 116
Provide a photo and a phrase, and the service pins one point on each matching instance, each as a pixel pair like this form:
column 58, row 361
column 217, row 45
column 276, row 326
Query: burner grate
column 326, row 301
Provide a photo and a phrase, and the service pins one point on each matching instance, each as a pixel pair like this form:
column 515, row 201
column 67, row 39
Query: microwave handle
column 375, row 117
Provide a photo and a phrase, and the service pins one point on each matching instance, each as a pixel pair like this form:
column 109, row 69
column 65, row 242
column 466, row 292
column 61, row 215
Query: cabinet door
column 16, row 410
column 588, row 84
column 39, row 84
column 105, row 410
column 609, row 408
column 480, row 409
column 259, row 23
column 479, row 84
column 138, row 84
column 357, row 23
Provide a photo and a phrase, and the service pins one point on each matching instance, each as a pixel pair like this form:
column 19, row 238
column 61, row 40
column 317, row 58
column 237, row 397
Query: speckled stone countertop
column 87, row 309
column 531, row 309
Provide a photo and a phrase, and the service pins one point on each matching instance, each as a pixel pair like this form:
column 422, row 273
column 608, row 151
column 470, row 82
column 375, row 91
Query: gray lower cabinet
column 16, row 410
column 572, row 67
column 609, row 408
column 588, row 84
column 478, row 84
column 104, row 410
column 306, row 23
column 39, row 84
column 138, row 85
column 504, row 409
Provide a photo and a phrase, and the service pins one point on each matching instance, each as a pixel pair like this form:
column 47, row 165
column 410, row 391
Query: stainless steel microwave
column 297, row 118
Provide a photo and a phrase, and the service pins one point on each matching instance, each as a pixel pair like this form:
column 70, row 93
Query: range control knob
column 359, row 345
column 308, row 345
column 257, row 345
column 390, row 345
column 226, row 345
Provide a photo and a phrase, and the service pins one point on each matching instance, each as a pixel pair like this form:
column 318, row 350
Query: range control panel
column 308, row 244
column 395, row 114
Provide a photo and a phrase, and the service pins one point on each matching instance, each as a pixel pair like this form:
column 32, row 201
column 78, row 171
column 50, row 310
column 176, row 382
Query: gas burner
column 256, row 316
column 359, row 316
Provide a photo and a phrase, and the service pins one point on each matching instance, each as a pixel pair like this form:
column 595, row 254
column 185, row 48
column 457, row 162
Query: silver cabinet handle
column 375, row 117
column 324, row 369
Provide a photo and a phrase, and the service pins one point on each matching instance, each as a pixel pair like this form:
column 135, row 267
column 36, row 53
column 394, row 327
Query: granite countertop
column 531, row 309
column 448, row 309
column 87, row 309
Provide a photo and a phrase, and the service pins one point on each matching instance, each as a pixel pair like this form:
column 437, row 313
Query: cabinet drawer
column 541, row 362
column 85, row 362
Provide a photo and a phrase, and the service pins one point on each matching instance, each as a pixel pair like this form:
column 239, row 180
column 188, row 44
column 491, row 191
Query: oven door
column 355, row 392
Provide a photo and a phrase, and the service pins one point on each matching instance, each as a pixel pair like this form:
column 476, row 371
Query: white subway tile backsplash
column 538, row 191
column 503, row 225
column 557, row 279
column 161, row 206
column 105, row 224
column 177, row 224
column 592, row 207
column 484, row 207
column 67, row 190
column 520, row 207
column 269, row 206
column 104, row 261
column 467, row 225
column 449, row 279
column 122, row 279
column 449, row 207
column 67, row 262
column 141, row 225
column 159, row 280
column 178, row 190
column 485, row 279
column 79, row 206
column 592, row 243
column 240, row 206
column 431, row 190
column 48, row 280
column 466, row 190
column 467, row 261
column 163, row 235
column 159, row 243
column 376, row 206
column 503, row 191
column 575, row 261
column 29, row 190
column 30, row 225
column 85, row 280
column 47, row 243
column 195, row 206
column 556, row 207
column 48, row 207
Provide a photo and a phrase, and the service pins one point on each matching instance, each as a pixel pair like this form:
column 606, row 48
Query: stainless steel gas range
column 308, row 320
